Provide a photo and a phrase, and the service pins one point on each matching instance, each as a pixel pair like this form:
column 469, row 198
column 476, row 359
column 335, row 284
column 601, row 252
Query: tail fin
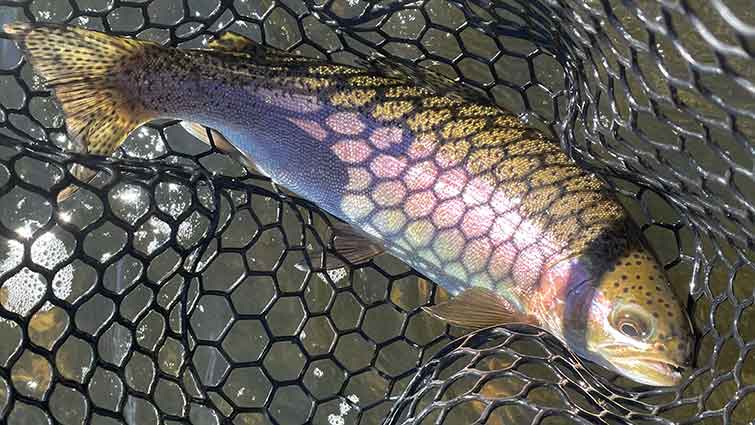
column 88, row 69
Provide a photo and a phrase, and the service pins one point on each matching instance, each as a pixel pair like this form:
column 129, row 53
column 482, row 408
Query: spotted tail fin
column 90, row 73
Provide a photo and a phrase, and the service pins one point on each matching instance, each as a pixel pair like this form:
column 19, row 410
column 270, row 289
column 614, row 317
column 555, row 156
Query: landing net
column 165, row 292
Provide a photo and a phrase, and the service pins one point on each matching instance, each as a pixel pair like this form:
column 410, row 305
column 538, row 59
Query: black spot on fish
column 624, row 277
column 616, row 284
column 626, row 290
column 649, row 302
column 647, row 294
column 655, row 314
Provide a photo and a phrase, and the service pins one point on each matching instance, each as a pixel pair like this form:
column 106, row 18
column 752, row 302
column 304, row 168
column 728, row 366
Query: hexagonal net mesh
column 166, row 292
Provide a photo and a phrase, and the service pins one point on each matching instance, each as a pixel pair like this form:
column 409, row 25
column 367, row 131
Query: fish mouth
column 663, row 373
column 647, row 370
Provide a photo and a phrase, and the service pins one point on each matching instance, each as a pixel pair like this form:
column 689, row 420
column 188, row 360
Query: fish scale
column 460, row 190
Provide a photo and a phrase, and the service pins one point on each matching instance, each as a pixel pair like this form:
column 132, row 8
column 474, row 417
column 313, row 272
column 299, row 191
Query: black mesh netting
column 166, row 292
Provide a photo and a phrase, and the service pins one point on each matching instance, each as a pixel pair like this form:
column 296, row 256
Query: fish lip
column 665, row 369
column 674, row 367
column 653, row 372
column 646, row 369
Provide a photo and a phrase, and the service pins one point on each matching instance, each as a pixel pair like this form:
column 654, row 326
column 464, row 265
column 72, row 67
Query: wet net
column 165, row 292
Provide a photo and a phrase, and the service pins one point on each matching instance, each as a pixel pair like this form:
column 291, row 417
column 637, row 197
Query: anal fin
column 477, row 308
column 81, row 173
column 351, row 244
column 218, row 141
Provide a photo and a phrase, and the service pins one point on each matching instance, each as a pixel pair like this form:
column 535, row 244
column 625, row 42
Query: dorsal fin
column 236, row 43
column 233, row 42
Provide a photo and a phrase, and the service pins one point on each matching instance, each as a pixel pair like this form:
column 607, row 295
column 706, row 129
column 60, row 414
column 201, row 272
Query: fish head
column 628, row 319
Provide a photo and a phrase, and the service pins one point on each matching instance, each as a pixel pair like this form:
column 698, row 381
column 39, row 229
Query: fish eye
column 630, row 329
column 633, row 322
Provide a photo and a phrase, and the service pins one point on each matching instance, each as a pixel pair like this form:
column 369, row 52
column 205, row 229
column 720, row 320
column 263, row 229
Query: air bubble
column 24, row 290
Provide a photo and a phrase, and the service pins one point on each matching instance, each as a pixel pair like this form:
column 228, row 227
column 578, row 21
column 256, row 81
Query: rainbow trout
column 460, row 190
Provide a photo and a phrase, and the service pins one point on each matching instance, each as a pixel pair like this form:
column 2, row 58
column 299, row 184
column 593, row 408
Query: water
column 303, row 345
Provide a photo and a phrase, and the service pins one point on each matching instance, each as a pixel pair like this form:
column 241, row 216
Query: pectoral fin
column 477, row 308
column 352, row 244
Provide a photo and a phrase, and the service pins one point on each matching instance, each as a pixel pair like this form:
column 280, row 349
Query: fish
column 410, row 164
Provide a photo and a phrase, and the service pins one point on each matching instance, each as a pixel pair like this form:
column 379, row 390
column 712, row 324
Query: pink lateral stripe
column 345, row 123
column 450, row 183
column 310, row 127
column 385, row 166
column 448, row 213
column 385, row 137
column 421, row 176
column 352, row 151
column 477, row 221
column 420, row 204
